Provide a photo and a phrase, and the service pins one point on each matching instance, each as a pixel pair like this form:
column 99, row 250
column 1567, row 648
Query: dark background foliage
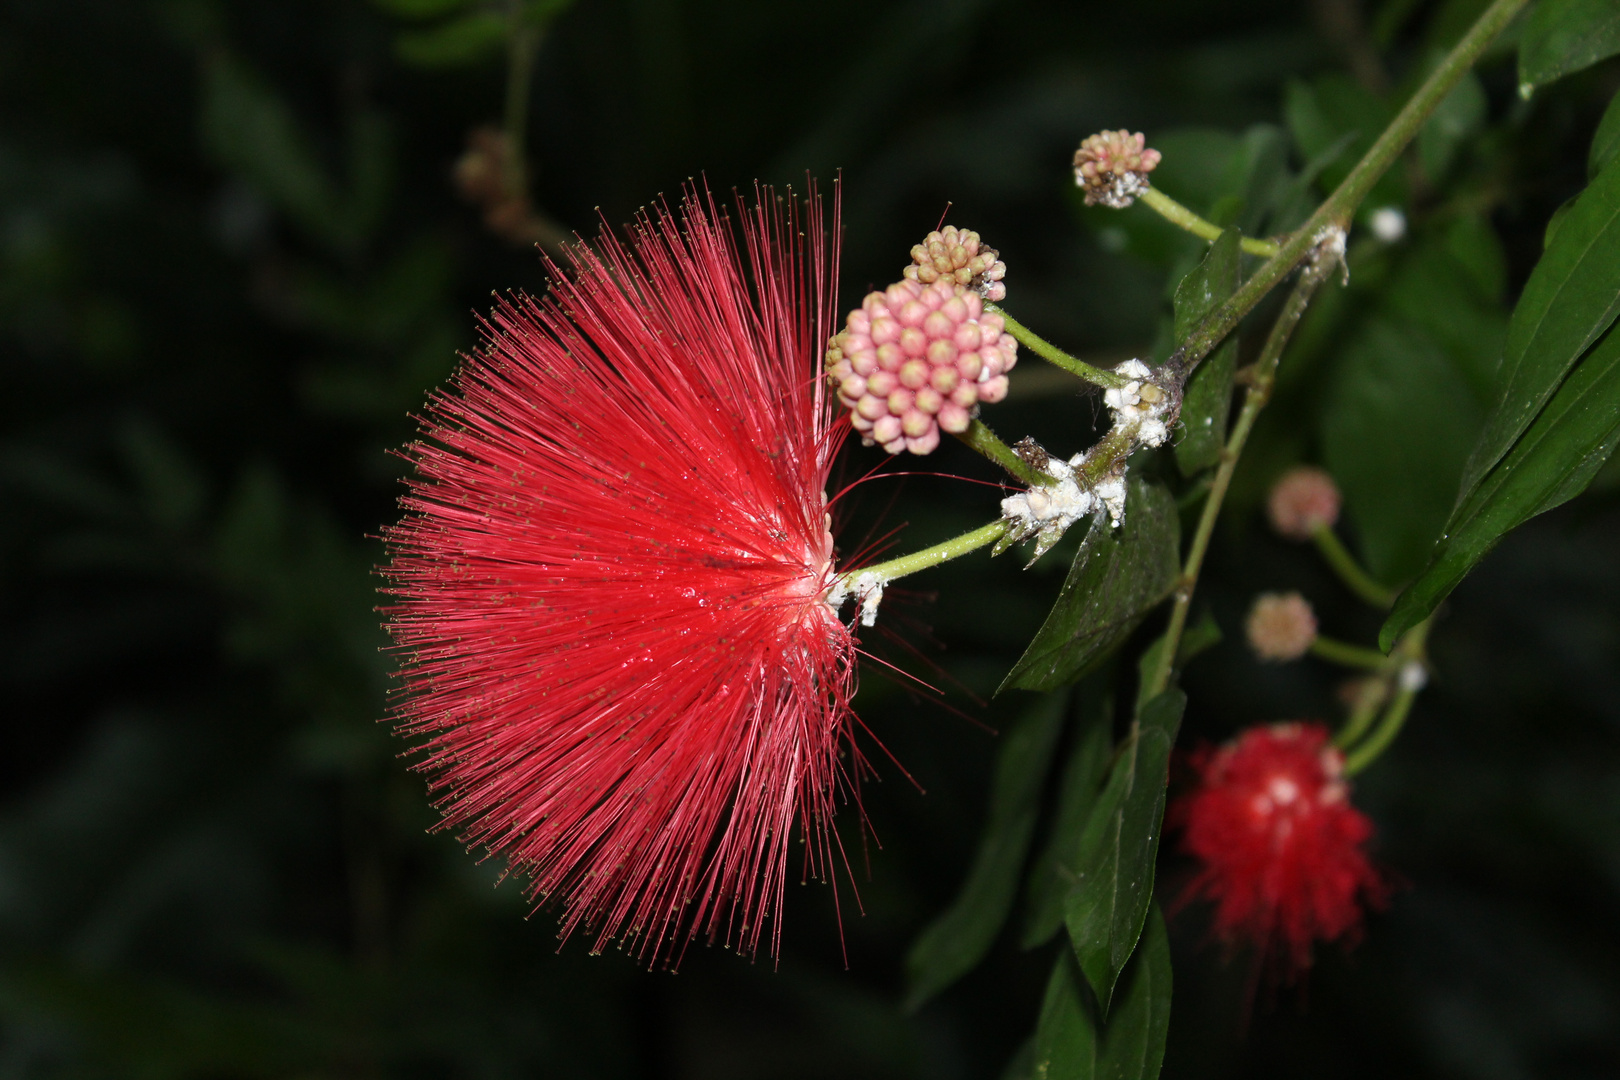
column 232, row 262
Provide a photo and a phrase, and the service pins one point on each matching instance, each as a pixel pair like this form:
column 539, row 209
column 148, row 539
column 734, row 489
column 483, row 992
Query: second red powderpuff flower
column 1281, row 851
column 611, row 581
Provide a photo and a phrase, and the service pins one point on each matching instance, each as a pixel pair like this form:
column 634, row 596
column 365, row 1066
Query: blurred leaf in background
column 233, row 263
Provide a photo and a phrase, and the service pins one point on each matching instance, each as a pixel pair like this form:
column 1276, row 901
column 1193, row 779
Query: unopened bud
column 1281, row 626
column 1113, row 167
column 1305, row 499
column 917, row 359
column 958, row 255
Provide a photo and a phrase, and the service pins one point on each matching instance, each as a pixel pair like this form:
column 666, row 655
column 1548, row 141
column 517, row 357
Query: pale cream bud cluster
column 1140, row 404
column 917, row 358
column 1281, row 626
column 952, row 254
column 1112, row 167
column 1086, row 483
column 1046, row 512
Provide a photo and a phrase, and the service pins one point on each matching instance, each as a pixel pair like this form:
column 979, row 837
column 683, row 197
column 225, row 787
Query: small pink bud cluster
column 1305, row 499
column 953, row 254
column 1112, row 167
column 916, row 358
column 1281, row 626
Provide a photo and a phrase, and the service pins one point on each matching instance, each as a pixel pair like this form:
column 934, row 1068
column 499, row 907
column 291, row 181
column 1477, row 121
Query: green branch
column 1342, row 652
column 1341, row 206
column 1407, row 657
column 1180, row 216
column 980, row 438
column 954, row 548
column 1055, row 356
column 1349, row 570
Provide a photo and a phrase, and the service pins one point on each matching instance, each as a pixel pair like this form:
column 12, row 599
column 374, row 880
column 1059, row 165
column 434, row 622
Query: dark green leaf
column 1551, row 464
column 1606, row 140
column 540, row 13
column 1066, row 1034
column 1209, row 392
column 464, row 40
column 1454, row 121
column 1133, row 1040
column 249, row 128
column 1572, row 297
column 1436, row 291
column 1259, row 174
column 1556, row 221
column 955, row 942
column 170, row 485
column 1118, row 576
column 1022, row 1064
column 1071, row 1045
column 1052, row 874
column 1564, row 36
column 1115, row 861
column 1146, row 665
column 1396, row 433
column 1203, row 632
column 421, row 9
column 1477, row 249
column 1323, row 113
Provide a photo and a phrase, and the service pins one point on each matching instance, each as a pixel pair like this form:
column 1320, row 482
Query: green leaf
column 1333, row 119
column 1201, row 634
column 1556, row 221
column 1474, row 245
column 1115, row 861
column 1118, row 576
column 1133, row 1041
column 249, row 128
column 421, row 9
column 1022, row 1064
column 1572, row 297
column 540, row 13
column 1066, row 1034
column 1564, row 36
column 1208, row 400
column 1400, row 420
column 1454, row 121
column 955, row 942
column 172, row 488
column 1053, row 872
column 464, row 40
column 1071, row 1045
column 1606, row 140
column 1551, row 464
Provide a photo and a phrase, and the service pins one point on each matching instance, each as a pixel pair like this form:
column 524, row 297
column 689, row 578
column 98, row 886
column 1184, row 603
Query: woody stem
column 519, row 75
column 1264, row 374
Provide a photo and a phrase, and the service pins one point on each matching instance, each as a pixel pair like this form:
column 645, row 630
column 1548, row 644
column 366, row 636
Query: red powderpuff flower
column 611, row 581
column 1281, row 850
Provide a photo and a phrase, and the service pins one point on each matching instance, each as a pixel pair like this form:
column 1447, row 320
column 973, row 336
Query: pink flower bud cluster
column 1302, row 501
column 958, row 254
column 1112, row 167
column 916, row 358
